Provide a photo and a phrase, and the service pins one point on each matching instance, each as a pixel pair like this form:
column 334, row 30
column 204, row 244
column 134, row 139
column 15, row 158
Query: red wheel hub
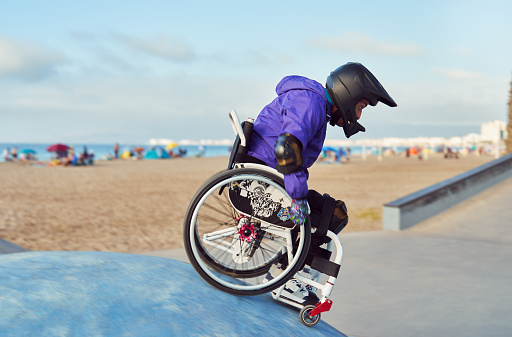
column 246, row 230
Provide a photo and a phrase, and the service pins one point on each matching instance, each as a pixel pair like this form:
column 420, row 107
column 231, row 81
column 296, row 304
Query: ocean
column 102, row 151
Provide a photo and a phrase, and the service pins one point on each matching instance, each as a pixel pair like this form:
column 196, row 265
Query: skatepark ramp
column 421, row 205
column 115, row 294
column 7, row 247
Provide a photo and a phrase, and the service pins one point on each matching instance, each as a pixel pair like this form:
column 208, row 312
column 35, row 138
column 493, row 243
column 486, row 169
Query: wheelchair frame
column 309, row 314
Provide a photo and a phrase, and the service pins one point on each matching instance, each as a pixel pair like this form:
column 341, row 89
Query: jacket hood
column 300, row 83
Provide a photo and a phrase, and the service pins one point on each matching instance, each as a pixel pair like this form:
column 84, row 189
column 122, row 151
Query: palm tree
column 508, row 141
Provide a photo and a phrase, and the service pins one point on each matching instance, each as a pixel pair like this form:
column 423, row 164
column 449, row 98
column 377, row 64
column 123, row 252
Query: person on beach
column 14, row 153
column 347, row 154
column 6, row 154
column 290, row 131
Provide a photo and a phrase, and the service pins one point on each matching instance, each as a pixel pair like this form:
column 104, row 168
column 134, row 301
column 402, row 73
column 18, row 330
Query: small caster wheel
column 304, row 316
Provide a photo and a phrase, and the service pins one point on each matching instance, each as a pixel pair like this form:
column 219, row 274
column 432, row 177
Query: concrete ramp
column 7, row 247
column 114, row 294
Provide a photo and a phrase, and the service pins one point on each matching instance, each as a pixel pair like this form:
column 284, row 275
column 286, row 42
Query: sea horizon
column 105, row 151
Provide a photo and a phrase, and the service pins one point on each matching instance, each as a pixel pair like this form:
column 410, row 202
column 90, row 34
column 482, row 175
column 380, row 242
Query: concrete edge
column 409, row 210
column 7, row 247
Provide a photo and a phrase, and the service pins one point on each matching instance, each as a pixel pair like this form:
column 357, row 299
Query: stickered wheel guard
column 261, row 201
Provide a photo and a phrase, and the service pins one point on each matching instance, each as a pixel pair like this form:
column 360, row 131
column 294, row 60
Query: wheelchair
column 236, row 229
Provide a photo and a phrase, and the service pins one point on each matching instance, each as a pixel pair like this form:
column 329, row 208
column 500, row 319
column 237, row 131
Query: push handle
column 248, row 127
column 237, row 128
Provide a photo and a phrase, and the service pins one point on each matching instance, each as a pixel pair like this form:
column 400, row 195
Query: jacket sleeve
column 303, row 112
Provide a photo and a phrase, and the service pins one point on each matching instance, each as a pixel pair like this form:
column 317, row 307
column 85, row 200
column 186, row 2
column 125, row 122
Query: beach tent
column 151, row 154
column 157, row 152
column 163, row 153
column 327, row 149
column 330, row 154
column 126, row 155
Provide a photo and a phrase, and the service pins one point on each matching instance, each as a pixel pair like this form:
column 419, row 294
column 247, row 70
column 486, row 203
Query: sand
column 139, row 205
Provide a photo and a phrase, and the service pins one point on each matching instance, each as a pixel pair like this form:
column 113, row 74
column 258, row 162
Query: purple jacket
column 301, row 109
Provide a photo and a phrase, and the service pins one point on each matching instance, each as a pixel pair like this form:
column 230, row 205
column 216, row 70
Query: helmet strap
column 335, row 117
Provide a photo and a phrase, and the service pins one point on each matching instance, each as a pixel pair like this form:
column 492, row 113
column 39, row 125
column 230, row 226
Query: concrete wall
column 416, row 207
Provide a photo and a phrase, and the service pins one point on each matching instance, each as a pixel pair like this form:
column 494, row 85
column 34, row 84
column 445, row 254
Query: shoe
column 294, row 289
column 297, row 292
column 311, row 274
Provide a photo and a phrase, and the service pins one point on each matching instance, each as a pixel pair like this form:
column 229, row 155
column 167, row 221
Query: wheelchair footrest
column 323, row 265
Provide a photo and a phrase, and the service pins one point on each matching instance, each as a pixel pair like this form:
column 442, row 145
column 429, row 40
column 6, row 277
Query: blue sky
column 128, row 71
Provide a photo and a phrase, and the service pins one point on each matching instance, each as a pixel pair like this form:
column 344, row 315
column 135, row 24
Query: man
column 290, row 131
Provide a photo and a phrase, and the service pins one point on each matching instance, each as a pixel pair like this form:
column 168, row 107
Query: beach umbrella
column 27, row 151
column 138, row 149
column 57, row 148
column 171, row 146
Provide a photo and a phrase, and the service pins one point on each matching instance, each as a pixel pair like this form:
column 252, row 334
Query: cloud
column 462, row 75
column 254, row 57
column 163, row 46
column 357, row 42
column 82, row 35
column 463, row 51
column 120, row 108
column 27, row 61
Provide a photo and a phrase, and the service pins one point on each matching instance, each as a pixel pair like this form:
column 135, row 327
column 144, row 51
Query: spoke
column 225, row 204
column 234, row 212
column 266, row 252
column 217, row 210
column 216, row 220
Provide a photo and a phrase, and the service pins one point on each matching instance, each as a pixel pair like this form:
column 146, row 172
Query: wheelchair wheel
column 304, row 316
column 236, row 228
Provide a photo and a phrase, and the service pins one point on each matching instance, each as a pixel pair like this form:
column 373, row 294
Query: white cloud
column 473, row 89
column 463, row 51
column 102, row 109
column 462, row 75
column 163, row 46
column 256, row 57
column 357, row 42
column 27, row 61
column 454, row 97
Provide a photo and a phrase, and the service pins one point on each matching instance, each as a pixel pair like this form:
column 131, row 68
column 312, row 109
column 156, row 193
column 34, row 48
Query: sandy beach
column 139, row 205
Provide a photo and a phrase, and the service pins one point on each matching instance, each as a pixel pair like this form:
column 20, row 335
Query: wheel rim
column 269, row 251
column 309, row 321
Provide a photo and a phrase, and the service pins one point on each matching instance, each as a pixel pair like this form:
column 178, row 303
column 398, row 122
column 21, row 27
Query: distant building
column 494, row 131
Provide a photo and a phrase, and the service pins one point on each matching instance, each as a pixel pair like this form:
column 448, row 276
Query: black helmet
column 347, row 85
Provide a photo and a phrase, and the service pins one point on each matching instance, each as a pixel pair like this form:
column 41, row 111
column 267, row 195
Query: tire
column 232, row 241
column 304, row 316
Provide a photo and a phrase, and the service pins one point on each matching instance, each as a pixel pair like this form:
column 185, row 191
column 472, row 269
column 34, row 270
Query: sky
column 128, row 71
